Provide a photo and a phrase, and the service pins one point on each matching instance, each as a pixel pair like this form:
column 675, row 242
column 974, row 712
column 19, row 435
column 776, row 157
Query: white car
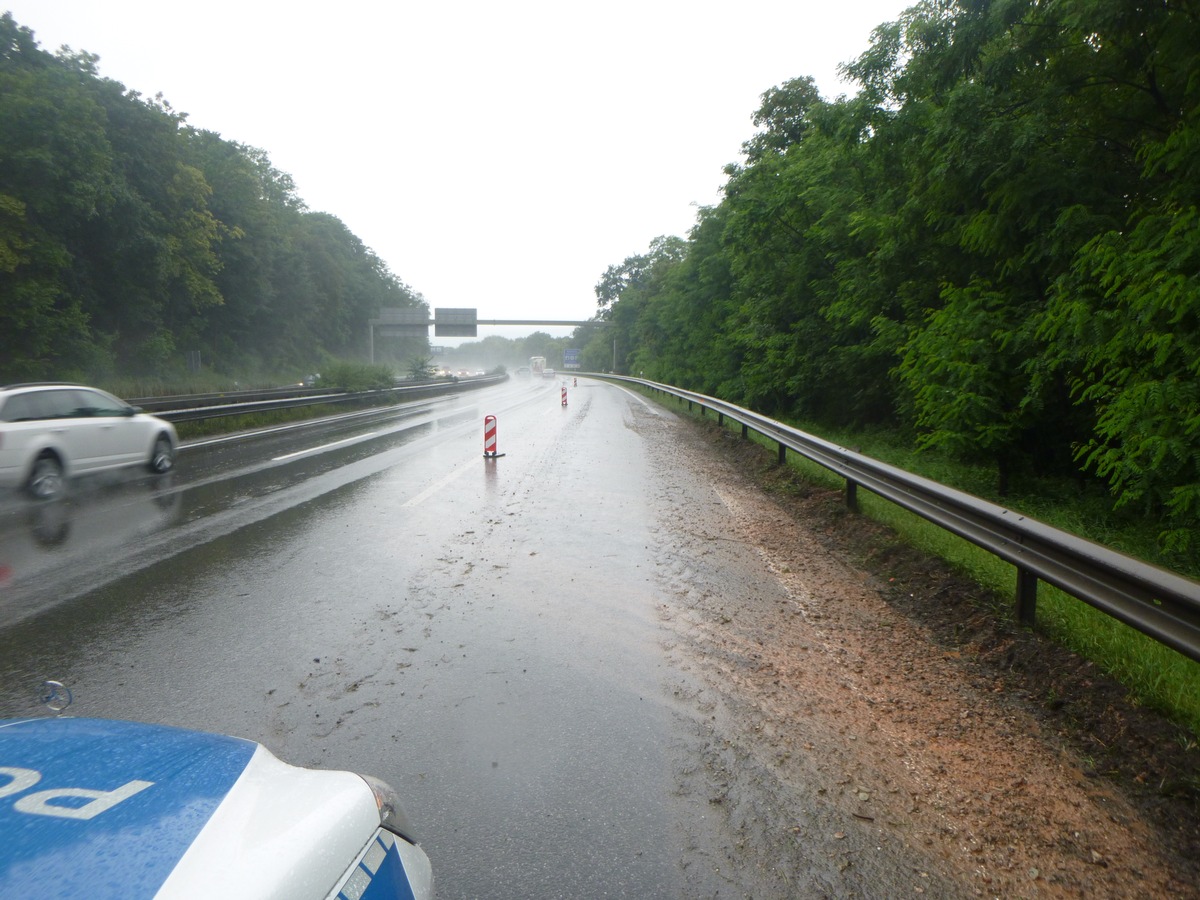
column 52, row 432
column 95, row 808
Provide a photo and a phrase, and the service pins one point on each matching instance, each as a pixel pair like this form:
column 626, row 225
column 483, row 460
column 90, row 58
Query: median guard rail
column 215, row 406
column 1159, row 603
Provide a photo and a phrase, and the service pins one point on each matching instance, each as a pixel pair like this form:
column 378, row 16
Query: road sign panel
column 455, row 322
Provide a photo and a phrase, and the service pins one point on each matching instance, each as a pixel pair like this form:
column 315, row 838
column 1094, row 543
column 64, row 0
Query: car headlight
column 391, row 814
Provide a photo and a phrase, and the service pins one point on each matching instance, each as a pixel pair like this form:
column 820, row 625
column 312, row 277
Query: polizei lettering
column 62, row 802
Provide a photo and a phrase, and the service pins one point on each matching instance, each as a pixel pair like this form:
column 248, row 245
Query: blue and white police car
column 107, row 809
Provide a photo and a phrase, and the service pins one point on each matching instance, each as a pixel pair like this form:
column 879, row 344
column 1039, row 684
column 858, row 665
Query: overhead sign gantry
column 446, row 322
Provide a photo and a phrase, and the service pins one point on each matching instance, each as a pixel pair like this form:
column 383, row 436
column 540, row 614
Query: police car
column 107, row 809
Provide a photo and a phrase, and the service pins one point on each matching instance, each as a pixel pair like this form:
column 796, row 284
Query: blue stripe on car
column 380, row 874
column 152, row 789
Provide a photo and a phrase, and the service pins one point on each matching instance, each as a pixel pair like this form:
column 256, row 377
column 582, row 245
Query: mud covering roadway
column 627, row 658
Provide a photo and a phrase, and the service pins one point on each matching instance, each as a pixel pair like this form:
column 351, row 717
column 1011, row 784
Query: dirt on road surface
column 872, row 724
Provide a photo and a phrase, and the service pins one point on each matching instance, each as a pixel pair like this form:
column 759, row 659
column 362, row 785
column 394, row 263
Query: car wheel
column 162, row 458
column 46, row 480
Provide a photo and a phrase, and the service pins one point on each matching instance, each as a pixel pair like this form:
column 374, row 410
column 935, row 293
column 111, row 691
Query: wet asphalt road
column 375, row 595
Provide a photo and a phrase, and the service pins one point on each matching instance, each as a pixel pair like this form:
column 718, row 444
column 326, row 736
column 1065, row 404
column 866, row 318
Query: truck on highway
column 537, row 365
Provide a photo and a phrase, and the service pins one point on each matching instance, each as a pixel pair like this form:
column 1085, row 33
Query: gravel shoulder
column 872, row 724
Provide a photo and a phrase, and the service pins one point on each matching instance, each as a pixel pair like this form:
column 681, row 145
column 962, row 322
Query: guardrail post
column 782, row 453
column 721, row 418
column 1027, row 583
column 852, row 495
column 745, row 431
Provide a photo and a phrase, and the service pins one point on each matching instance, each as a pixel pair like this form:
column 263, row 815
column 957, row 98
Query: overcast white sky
column 495, row 155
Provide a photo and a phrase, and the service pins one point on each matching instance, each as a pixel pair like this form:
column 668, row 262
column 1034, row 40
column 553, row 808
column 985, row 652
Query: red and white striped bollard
column 489, row 438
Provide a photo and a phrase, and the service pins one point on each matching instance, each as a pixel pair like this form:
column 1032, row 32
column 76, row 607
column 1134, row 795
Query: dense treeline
column 994, row 244
column 129, row 239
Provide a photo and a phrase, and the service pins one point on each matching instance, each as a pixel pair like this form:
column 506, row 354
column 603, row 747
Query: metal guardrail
column 215, row 406
column 226, row 398
column 1157, row 602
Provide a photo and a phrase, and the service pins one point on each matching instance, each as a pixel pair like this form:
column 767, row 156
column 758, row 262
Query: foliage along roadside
column 994, row 246
column 132, row 244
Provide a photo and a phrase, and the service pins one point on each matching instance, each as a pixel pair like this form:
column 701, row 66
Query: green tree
column 55, row 170
column 127, row 237
column 785, row 117
column 420, row 368
column 1124, row 321
column 623, row 292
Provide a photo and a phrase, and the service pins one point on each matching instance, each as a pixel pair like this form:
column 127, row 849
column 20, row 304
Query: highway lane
column 376, row 595
column 50, row 553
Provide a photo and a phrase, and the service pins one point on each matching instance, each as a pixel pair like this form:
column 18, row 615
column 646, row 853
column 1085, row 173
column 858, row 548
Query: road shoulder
column 871, row 719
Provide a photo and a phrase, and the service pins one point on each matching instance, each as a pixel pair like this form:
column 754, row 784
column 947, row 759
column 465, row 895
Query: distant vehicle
column 537, row 365
column 480, row 372
column 96, row 808
column 311, row 380
column 52, row 432
column 548, row 373
column 523, row 372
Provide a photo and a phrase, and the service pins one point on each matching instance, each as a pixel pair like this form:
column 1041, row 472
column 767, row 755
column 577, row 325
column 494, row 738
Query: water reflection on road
column 107, row 527
column 483, row 633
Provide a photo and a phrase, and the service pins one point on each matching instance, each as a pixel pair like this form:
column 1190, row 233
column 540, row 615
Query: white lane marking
column 438, row 485
column 404, row 411
column 352, row 440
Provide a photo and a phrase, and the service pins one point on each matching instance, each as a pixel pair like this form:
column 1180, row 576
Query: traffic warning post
column 489, row 438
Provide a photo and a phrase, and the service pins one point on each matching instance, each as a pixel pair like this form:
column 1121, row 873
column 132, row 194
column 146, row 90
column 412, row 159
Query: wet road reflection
column 377, row 596
column 53, row 552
